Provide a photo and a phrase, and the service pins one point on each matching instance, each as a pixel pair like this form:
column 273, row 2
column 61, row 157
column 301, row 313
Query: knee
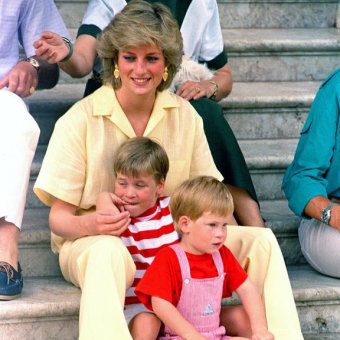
column 17, row 119
column 144, row 326
column 104, row 247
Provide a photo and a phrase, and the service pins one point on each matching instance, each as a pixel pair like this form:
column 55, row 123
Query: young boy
column 140, row 168
column 186, row 282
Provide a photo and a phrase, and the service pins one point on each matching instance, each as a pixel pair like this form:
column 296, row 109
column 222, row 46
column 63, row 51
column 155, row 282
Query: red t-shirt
column 164, row 278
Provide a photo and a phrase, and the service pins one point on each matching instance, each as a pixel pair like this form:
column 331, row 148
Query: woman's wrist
column 69, row 45
column 214, row 91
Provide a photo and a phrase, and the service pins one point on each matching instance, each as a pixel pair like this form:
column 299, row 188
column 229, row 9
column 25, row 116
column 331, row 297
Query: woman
column 203, row 42
column 141, row 51
column 312, row 181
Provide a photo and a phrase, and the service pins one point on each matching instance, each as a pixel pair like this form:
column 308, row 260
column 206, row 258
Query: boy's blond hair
column 141, row 156
column 198, row 195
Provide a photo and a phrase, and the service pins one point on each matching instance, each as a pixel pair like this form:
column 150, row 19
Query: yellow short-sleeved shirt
column 79, row 160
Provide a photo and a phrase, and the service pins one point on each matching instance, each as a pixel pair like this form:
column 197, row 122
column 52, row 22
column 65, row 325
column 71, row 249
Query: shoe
column 11, row 281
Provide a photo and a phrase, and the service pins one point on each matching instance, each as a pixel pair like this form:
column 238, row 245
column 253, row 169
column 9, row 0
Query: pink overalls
column 200, row 300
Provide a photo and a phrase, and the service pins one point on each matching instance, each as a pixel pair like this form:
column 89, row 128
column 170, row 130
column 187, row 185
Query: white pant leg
column 320, row 245
column 19, row 134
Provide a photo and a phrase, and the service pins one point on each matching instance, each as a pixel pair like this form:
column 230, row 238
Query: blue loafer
column 11, row 281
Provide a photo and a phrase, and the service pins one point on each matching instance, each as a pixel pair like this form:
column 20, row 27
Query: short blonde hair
column 141, row 156
column 141, row 23
column 198, row 195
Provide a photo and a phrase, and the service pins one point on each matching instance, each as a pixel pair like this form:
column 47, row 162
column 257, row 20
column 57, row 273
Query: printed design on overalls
column 208, row 310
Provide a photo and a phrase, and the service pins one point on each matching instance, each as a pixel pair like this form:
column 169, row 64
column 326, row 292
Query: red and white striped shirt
column 145, row 236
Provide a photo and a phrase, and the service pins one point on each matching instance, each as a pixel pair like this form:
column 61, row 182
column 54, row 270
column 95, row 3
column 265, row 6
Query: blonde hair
column 141, row 156
column 141, row 23
column 198, row 195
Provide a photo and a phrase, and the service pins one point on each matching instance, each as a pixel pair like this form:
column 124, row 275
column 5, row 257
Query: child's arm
column 110, row 202
column 254, row 308
column 172, row 318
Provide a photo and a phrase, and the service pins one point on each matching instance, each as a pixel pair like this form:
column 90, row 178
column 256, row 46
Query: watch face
column 34, row 63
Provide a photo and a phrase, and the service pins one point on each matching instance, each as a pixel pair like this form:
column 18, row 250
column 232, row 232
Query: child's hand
column 262, row 335
column 118, row 202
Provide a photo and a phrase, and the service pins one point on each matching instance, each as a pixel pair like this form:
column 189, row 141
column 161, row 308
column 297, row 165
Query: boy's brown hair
column 141, row 156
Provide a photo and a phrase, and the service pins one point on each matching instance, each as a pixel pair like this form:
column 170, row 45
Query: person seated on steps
column 203, row 42
column 312, row 181
column 186, row 282
column 21, row 22
column 139, row 61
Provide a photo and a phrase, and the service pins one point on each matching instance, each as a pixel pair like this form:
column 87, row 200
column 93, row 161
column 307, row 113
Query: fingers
column 111, row 223
column 22, row 80
column 192, row 90
column 50, row 47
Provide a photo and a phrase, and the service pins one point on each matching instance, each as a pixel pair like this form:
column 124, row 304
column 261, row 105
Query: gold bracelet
column 214, row 94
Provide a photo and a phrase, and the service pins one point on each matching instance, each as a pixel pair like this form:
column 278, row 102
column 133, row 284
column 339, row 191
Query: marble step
column 267, row 160
column 243, row 13
column 282, row 54
column 276, row 54
column 265, row 110
column 48, row 308
column 37, row 259
column 278, row 13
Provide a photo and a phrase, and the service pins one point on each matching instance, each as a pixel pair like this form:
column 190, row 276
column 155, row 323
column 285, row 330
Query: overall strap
column 183, row 261
column 218, row 262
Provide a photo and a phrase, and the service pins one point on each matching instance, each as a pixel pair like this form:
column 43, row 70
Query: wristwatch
column 34, row 62
column 214, row 94
column 326, row 213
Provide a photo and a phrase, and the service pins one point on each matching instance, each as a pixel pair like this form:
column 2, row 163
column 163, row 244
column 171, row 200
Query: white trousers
column 320, row 245
column 19, row 134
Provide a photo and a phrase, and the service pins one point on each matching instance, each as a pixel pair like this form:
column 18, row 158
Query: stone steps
column 37, row 259
column 279, row 51
column 276, row 54
column 254, row 110
column 244, row 13
column 49, row 307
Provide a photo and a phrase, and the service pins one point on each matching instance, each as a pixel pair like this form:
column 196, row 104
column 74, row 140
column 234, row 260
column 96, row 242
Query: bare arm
column 171, row 317
column 223, row 79
column 254, row 308
column 52, row 48
column 66, row 223
column 315, row 206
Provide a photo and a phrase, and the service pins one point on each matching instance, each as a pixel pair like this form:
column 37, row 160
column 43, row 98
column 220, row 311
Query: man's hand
column 21, row 80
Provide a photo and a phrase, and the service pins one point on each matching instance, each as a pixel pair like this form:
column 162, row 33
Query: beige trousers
column 102, row 267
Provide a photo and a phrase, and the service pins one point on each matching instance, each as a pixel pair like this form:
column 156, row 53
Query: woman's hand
column 110, row 222
column 51, row 47
column 110, row 217
column 196, row 89
column 65, row 222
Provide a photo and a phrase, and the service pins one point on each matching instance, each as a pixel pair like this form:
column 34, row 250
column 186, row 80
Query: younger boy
column 140, row 168
column 186, row 282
